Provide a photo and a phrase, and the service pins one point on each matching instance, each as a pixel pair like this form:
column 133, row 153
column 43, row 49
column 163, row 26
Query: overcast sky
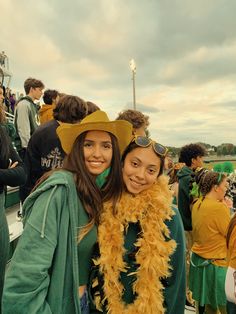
column 185, row 53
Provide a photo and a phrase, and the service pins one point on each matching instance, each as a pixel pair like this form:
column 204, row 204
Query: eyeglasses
column 143, row 141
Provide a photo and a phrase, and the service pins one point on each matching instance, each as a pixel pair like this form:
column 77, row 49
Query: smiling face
column 141, row 168
column 97, row 151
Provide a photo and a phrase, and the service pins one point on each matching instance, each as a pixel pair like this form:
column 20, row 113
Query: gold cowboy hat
column 98, row 121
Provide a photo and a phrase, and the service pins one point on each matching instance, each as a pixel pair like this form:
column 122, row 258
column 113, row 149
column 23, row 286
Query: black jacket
column 185, row 176
column 11, row 176
column 44, row 152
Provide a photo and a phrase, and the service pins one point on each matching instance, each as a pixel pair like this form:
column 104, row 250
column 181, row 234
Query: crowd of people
column 111, row 223
column 10, row 99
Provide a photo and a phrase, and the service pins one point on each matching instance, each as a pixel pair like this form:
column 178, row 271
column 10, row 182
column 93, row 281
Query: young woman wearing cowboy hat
column 49, row 270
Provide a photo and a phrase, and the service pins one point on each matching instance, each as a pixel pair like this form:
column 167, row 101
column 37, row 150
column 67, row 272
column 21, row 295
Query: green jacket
column 175, row 285
column 184, row 176
column 34, row 284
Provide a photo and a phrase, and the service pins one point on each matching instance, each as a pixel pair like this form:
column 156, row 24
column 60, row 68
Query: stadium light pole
column 133, row 70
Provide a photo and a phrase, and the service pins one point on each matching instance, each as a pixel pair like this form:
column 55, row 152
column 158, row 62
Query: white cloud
column 185, row 56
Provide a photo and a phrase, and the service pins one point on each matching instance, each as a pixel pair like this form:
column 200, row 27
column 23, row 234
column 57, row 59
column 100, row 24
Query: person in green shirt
column 50, row 267
column 141, row 243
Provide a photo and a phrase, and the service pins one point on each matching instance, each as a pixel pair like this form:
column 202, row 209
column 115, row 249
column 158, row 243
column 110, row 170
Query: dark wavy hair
column 190, row 151
column 135, row 117
column 49, row 95
column 132, row 146
column 70, row 109
column 92, row 107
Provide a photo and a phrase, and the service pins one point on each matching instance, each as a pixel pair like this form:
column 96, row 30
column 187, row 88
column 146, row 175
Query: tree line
column 220, row 150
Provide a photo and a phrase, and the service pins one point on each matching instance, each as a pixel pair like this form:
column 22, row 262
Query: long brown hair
column 89, row 193
column 232, row 224
column 4, row 140
column 2, row 110
column 4, row 148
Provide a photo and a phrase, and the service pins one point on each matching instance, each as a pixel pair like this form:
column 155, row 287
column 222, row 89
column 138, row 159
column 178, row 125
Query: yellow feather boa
column 150, row 208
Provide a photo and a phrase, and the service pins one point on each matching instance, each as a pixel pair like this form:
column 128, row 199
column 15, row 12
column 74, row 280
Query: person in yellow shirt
column 50, row 98
column 230, row 285
column 210, row 220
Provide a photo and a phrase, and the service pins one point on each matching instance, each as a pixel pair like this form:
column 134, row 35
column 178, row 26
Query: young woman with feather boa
column 141, row 265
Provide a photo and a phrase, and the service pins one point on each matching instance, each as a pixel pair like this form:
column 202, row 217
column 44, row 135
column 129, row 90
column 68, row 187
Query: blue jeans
column 84, row 304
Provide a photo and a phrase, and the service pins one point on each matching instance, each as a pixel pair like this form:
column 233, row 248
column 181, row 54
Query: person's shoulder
column 185, row 174
column 175, row 223
column 215, row 204
column 23, row 103
column 223, row 207
column 47, row 127
column 60, row 177
column 45, row 108
column 63, row 178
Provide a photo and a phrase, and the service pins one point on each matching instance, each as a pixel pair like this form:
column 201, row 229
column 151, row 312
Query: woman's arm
column 13, row 176
column 222, row 218
column 28, row 276
column 175, row 285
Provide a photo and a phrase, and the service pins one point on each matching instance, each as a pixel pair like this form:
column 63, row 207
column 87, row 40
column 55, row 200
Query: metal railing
column 10, row 117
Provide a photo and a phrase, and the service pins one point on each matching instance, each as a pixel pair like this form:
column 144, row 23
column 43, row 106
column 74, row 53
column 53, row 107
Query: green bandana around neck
column 101, row 178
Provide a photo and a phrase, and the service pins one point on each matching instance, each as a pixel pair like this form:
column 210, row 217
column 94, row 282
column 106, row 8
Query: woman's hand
column 12, row 165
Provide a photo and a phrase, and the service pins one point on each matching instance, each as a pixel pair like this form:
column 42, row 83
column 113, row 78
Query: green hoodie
column 185, row 175
column 34, row 284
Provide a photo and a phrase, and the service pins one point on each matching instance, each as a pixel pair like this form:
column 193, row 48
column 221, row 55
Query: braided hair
column 194, row 184
column 208, row 180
